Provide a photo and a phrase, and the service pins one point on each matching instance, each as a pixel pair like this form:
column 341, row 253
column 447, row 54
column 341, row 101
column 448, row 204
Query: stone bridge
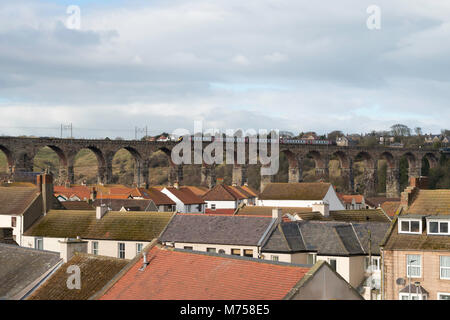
column 20, row 153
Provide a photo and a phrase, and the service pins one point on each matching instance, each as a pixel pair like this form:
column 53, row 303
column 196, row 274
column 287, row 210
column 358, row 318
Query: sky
column 291, row 65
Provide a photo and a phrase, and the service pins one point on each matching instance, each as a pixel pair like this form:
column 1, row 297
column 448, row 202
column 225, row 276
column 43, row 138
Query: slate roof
column 20, row 267
column 325, row 238
column 295, row 191
column 131, row 226
column 135, row 204
column 14, row 200
column 183, row 275
column 426, row 203
column 96, row 272
column 215, row 229
column 186, row 195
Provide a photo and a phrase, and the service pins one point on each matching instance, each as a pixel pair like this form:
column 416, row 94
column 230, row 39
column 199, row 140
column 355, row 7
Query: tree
column 335, row 134
column 418, row 131
column 400, row 130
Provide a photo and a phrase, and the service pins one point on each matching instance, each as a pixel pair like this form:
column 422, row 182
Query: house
column 345, row 141
column 95, row 272
column 185, row 200
column 172, row 274
column 344, row 245
column 390, row 207
column 109, row 233
column 73, row 193
column 377, row 202
column 416, row 250
column 22, row 206
column 22, row 269
column 301, row 194
column 124, row 205
column 352, row 201
column 235, row 235
column 161, row 200
column 6, row 236
column 223, row 199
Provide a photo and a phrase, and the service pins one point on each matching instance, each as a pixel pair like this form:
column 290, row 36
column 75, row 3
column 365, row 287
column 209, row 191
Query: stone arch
column 61, row 176
column 140, row 167
column 9, row 160
column 346, row 170
column 369, row 179
column 431, row 159
column 392, row 174
column 295, row 173
column 104, row 170
column 321, row 162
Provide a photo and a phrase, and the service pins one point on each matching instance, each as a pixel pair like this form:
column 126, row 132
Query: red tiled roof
column 82, row 192
column 347, row 198
column 185, row 195
column 158, row 197
column 220, row 211
column 223, row 192
column 113, row 196
column 182, row 275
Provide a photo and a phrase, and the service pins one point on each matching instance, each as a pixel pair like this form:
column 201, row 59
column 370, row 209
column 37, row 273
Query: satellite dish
column 400, row 281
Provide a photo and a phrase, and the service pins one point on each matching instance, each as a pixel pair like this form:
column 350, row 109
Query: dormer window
column 410, row 226
column 438, row 226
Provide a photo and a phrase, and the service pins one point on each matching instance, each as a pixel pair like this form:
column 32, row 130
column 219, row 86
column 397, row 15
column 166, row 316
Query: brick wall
column 395, row 267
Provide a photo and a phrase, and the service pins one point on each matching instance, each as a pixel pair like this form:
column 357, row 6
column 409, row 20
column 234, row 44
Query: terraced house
column 416, row 250
column 113, row 234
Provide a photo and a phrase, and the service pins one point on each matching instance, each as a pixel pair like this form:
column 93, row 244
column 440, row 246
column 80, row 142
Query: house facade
column 185, row 200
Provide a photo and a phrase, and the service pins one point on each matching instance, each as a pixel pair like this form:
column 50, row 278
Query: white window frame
column 439, row 221
column 368, row 265
column 314, row 257
column 213, row 206
column 442, row 293
column 441, row 267
column 141, row 245
column 274, row 258
column 118, row 250
column 41, row 240
column 421, row 296
column 419, row 266
column 336, row 262
column 409, row 220
column 94, row 250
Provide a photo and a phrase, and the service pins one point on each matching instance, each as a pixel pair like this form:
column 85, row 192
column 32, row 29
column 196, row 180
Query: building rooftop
column 362, row 215
column 76, row 205
column 221, row 192
column 21, row 267
column 134, row 204
column 183, row 275
column 215, row 229
column 96, row 272
column 131, row 226
column 186, row 195
column 14, row 200
column 295, row 191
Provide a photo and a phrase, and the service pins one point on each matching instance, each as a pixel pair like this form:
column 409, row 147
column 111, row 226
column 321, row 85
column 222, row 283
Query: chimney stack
column 277, row 213
column 45, row 185
column 68, row 247
column 176, row 185
column 100, row 211
column 323, row 208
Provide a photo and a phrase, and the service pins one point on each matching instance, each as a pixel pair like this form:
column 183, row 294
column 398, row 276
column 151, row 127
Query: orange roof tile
column 181, row 275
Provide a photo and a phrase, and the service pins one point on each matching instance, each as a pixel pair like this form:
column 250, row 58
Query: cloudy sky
column 274, row 64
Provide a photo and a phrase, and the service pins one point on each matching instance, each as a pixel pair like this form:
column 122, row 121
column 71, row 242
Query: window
column 221, row 251
column 413, row 266
column 94, row 247
column 188, row 208
column 438, row 227
column 121, row 249
column 410, row 226
column 213, row 250
column 236, row 252
column 412, row 296
column 248, row 253
column 213, row 207
column 332, row 263
column 39, row 243
column 188, row 248
column 443, row 296
column 13, row 222
column 444, row 264
column 311, row 258
column 139, row 247
column 274, row 258
column 375, row 265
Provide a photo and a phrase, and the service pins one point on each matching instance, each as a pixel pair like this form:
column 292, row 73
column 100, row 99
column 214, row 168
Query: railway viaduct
column 20, row 153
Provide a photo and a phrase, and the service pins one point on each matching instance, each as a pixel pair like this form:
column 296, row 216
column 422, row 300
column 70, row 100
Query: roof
column 375, row 202
column 197, row 190
column 229, row 212
column 215, row 229
column 390, row 207
column 185, row 195
column 136, row 204
column 326, row 237
column 76, row 205
column 20, row 267
column 131, row 226
column 427, row 203
column 250, row 190
column 374, row 215
column 221, row 192
column 431, row 202
column 158, row 197
column 96, row 272
column 348, row 198
column 295, row 191
column 183, row 275
column 14, row 200
column 411, row 288
column 114, row 196
column 82, row 192
column 304, row 213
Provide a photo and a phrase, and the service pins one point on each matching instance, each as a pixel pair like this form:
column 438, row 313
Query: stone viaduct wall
column 21, row 151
